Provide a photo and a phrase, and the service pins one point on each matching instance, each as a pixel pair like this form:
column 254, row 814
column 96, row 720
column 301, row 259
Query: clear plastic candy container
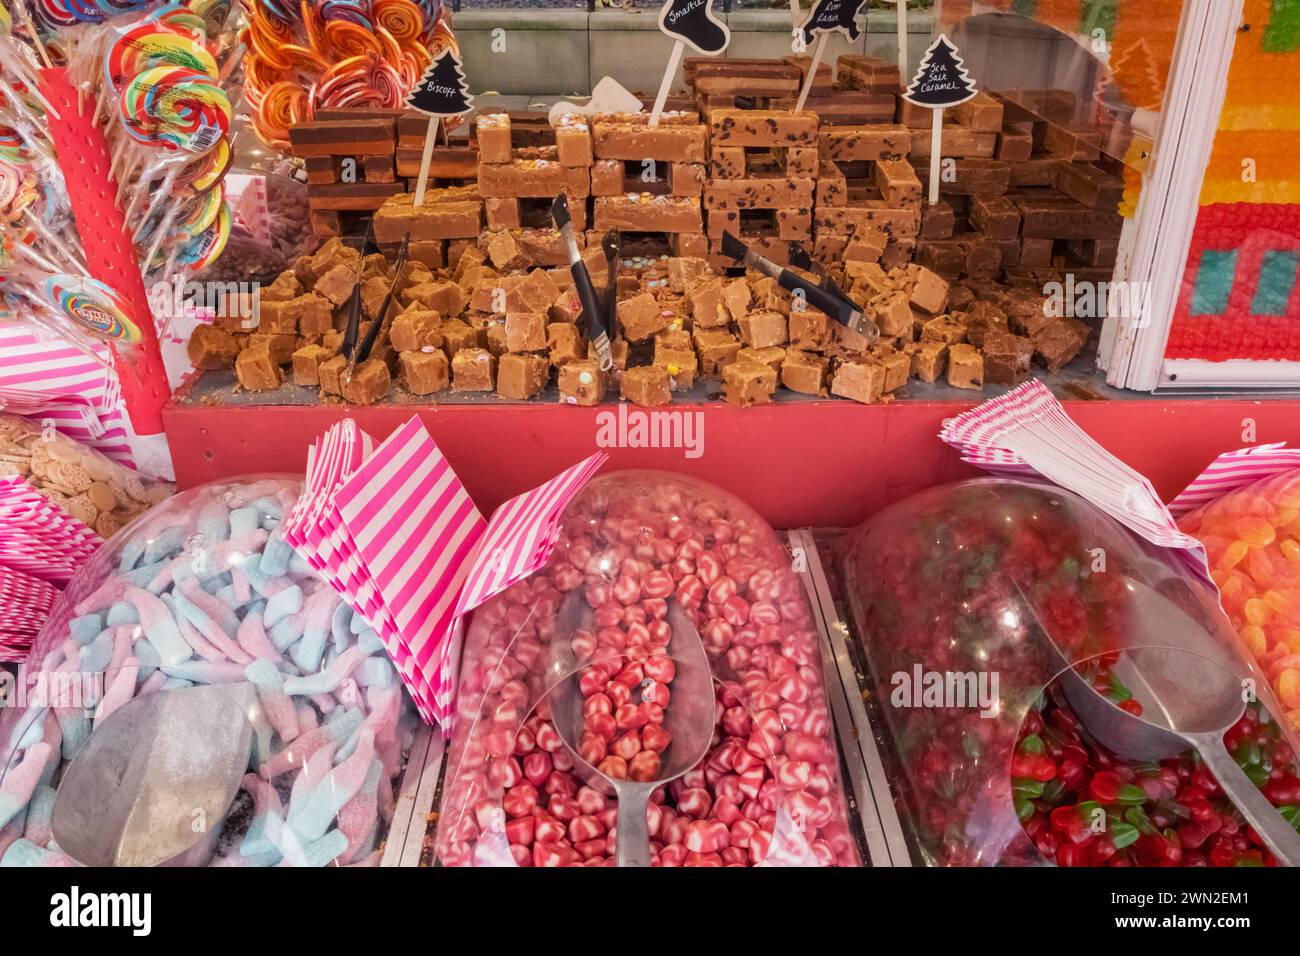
column 204, row 592
column 970, row 599
column 1252, row 541
column 632, row 545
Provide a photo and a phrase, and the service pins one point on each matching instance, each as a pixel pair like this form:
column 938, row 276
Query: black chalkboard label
column 942, row 79
column 827, row 16
column 693, row 22
column 441, row 91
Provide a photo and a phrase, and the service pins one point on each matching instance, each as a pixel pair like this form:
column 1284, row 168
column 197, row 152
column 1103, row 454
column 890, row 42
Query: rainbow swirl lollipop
column 179, row 108
column 351, row 11
column 17, row 191
column 180, row 18
column 203, row 249
column 204, row 213
column 210, row 168
column 215, row 13
column 12, row 147
column 93, row 306
column 147, row 45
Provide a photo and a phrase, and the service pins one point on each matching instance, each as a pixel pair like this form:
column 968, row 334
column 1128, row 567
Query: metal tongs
column 861, row 330
column 591, row 305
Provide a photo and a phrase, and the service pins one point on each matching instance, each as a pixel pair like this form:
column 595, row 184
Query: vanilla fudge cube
column 424, row 373
column 473, row 370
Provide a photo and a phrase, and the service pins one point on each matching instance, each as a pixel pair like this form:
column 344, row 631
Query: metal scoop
column 153, row 783
column 1190, row 697
column 689, row 718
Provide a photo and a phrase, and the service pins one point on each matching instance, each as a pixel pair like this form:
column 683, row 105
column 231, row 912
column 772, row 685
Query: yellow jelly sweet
column 1233, row 554
column 1287, row 686
column 1255, row 639
column 1256, row 532
column 1257, row 611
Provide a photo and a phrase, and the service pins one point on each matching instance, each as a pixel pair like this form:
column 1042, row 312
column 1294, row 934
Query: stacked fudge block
column 1028, row 199
column 868, row 204
column 519, row 182
column 350, row 167
column 650, row 180
column 762, row 179
column 864, row 92
column 721, row 83
column 355, row 159
column 454, row 163
column 447, row 221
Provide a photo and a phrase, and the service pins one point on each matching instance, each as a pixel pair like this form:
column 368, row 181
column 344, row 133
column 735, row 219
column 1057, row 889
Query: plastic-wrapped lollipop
column 172, row 108
column 93, row 306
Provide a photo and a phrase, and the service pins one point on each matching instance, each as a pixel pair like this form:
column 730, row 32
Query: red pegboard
column 84, row 160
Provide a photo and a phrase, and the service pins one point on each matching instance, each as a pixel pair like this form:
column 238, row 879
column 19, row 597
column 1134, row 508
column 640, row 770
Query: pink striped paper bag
column 414, row 527
column 59, row 372
column 1027, row 433
column 522, row 534
column 39, row 538
column 1233, row 470
column 519, row 539
column 25, row 603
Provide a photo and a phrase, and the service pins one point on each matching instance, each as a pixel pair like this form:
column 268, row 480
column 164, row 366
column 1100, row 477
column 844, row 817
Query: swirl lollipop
column 149, row 44
column 183, row 19
column 203, row 249
column 94, row 306
column 215, row 13
column 179, row 108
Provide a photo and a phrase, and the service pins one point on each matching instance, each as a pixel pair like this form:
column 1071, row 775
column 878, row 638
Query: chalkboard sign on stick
column 941, row 81
column 827, row 17
column 688, row 22
column 440, row 92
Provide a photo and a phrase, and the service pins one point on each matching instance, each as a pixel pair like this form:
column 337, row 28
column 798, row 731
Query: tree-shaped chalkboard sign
column 688, row 22
column 827, row 17
column 941, row 81
column 440, row 92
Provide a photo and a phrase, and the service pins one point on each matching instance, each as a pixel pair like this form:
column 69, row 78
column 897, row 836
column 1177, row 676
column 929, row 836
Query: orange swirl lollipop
column 401, row 18
column 282, row 105
column 349, row 40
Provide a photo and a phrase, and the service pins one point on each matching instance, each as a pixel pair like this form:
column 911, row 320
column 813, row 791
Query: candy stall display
column 975, row 605
column 644, row 561
column 205, row 592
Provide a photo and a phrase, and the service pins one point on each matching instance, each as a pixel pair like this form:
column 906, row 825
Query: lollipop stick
column 430, row 136
column 163, row 228
column 901, row 7
column 812, row 71
column 674, row 60
column 155, row 196
column 936, row 148
column 26, row 17
column 54, row 239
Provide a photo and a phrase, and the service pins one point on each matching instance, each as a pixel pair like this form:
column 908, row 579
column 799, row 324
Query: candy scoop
column 688, row 718
column 153, row 784
column 1191, row 694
